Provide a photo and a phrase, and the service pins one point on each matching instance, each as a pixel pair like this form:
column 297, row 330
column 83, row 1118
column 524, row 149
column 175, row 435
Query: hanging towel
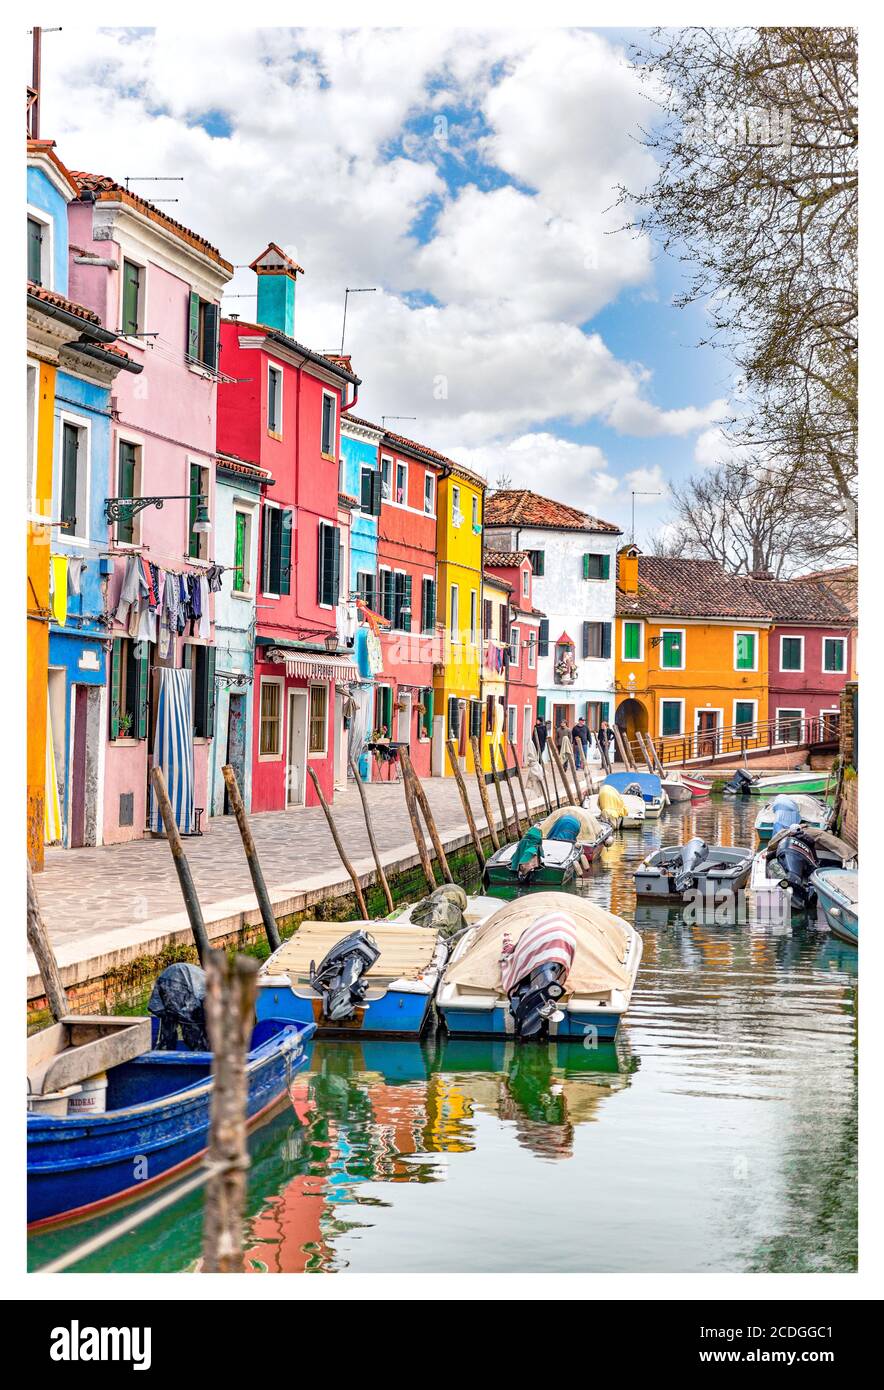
column 213, row 574
column 52, row 831
column 58, row 588
column 76, row 566
column 133, row 586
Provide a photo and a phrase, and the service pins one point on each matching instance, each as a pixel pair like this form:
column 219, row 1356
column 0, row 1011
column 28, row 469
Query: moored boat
column 771, row 784
column 546, row 966
column 837, row 892
column 770, row 894
column 533, row 862
column 675, row 787
column 647, row 785
column 697, row 786
column 776, row 815
column 712, row 870
column 592, row 834
column 621, row 811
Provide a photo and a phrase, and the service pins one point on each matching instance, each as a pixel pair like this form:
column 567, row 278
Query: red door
column 78, row 768
column 707, row 735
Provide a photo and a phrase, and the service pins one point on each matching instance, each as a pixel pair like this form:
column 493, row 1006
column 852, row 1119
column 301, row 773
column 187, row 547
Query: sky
column 470, row 178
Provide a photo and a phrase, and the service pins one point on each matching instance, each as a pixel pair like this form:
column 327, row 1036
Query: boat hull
column 498, row 1023
column 79, row 1164
column 789, row 786
column 841, row 915
column 398, row 1013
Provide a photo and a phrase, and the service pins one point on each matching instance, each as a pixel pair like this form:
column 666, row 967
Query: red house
column 279, row 406
column 810, row 653
column 514, row 567
column 406, row 594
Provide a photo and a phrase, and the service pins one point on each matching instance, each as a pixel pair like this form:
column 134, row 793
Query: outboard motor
column 534, row 1001
column 796, row 856
column 693, row 854
column 339, row 977
column 740, row 784
column 177, row 1002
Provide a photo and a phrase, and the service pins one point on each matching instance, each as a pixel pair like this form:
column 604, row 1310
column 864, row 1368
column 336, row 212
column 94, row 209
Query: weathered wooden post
column 423, row 803
column 417, row 830
column 354, row 877
column 557, row 759
column 642, row 743
column 268, row 916
column 465, row 802
column 518, row 768
column 38, row 940
column 623, row 749
column 509, row 781
column 182, row 868
column 382, row 877
column 572, row 764
column 230, row 1010
column 504, row 818
column 542, row 764
column 483, row 791
column 603, row 750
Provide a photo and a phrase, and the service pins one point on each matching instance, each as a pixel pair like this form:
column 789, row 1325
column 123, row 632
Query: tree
column 757, row 194
column 503, row 482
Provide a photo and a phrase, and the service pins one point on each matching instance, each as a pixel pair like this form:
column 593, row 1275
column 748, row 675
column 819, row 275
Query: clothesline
column 155, row 604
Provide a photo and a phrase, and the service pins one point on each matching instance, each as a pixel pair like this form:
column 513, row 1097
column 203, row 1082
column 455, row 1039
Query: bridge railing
column 735, row 740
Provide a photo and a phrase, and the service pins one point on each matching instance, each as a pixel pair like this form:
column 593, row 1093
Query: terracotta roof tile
column 801, row 601
column 671, row 587
column 433, row 454
column 285, row 261
column 496, row 579
column 505, row 559
column 274, row 335
column 521, row 507
column 843, row 582
column 58, row 301
column 108, row 190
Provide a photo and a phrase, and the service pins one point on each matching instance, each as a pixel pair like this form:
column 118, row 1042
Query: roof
column 106, row 189
column 843, row 582
column 47, row 148
column 521, row 507
column 230, row 463
column 506, row 559
column 273, row 258
column 275, row 336
column 345, row 500
column 58, row 301
column 496, row 579
column 400, row 441
column 673, row 587
column 801, row 601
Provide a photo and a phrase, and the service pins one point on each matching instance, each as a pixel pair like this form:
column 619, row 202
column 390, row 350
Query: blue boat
column 644, row 784
column 837, row 892
column 155, row 1123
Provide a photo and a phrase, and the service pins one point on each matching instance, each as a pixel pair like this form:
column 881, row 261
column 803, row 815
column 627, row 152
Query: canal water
column 719, row 1132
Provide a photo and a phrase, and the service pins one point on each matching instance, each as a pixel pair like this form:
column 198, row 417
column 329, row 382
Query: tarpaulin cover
column 600, row 955
column 589, row 826
column 611, row 803
column 178, row 998
column 528, row 847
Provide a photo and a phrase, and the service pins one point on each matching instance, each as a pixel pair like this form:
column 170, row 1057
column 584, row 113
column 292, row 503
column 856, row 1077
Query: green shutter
column 193, row 326
column 606, row 640
column 543, row 638
column 126, row 488
column 211, row 315
column 131, row 277
column 586, row 560
column 744, row 712
column 406, row 597
column 672, row 653
column 209, row 721
column 745, row 651
column 239, row 553
column 193, row 540
column 35, row 251
column 541, row 707
column 631, row 641
column 285, row 551
column 143, row 669
column 69, row 468
column 606, row 567
column 335, row 544
column 428, row 711
column 116, row 652
column 671, row 718
column 376, row 492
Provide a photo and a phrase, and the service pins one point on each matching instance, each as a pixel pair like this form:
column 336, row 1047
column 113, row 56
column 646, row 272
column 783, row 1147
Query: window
column 383, row 708
column 671, row 717
column 526, row 583
column 512, row 720
column 428, row 604
column 274, row 399
column 744, row 718
column 270, row 741
column 541, row 707
column 276, row 557
column 198, row 541
column 425, row 725
column 453, row 717
column 489, row 714
column 633, row 643
column 401, row 493
column 474, row 616
column 672, row 648
column 328, row 424
column 366, row 587
column 476, row 526
column 202, row 332
column 538, row 561
column 370, row 491
column 130, row 671
column 789, row 725
column 596, row 711
column 386, row 593
column 318, row 719
column 791, row 653
column 402, row 601
column 596, row 640
column 532, row 650
column 455, row 616
column 543, row 638
column 429, row 494
column 834, row 654
column 456, row 515
column 133, row 298
column 242, row 550
column 744, row 651
column 127, row 486
column 386, row 478
column 515, row 640
column 329, row 568
column 201, row 661
column 38, row 248
column 74, row 499
column 596, row 566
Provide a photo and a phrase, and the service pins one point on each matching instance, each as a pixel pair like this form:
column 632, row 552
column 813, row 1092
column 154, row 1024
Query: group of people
column 580, row 734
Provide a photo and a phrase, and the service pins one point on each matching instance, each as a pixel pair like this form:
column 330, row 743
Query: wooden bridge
column 741, row 742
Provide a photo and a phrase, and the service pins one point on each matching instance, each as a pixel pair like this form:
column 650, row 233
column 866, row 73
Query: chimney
column 277, row 274
column 627, row 569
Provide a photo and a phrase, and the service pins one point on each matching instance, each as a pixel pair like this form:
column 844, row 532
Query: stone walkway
column 109, row 905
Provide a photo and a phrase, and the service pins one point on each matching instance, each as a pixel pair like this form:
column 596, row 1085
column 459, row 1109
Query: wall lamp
column 124, row 508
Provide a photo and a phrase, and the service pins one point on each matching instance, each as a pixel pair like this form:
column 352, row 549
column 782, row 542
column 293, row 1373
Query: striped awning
column 173, row 747
column 315, row 665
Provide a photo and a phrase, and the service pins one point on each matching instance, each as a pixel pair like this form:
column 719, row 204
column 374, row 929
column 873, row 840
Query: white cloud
column 713, row 448
column 577, row 473
column 646, row 482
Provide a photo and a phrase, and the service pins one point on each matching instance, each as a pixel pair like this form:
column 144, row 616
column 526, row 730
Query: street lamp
column 124, row 508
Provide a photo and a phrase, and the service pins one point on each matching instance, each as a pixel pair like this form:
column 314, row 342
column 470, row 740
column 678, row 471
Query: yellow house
column 496, row 595
column 691, row 649
column 459, row 512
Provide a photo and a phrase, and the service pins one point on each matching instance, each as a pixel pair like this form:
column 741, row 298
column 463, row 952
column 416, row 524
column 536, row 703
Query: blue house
column 86, row 364
column 361, row 478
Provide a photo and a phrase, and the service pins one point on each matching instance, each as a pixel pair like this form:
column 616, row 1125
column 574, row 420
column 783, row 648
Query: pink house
column 159, row 285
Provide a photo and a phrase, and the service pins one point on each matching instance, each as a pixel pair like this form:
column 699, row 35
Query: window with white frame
column 526, row 580
column 318, row 733
column 242, row 549
column 429, row 493
column 672, row 645
column 834, row 655
column 745, row 651
column 198, row 541
column 386, row 478
column 633, row 640
column 532, row 650
column 270, row 738
column 274, row 399
column 474, row 616
column 789, row 725
column 329, row 420
column 475, row 502
column 39, row 249
column 745, row 714
column 73, row 496
column 671, row 718
column 791, row 653
column 400, row 496
column 515, row 643
column 456, row 513
column 512, row 719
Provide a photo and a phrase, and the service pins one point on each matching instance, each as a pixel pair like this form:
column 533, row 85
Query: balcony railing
column 735, row 740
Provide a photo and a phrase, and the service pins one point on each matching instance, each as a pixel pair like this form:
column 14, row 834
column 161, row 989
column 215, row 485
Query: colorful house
column 524, row 632
column 692, row 648
column 489, row 711
column 72, row 364
column 573, row 561
column 843, row 582
column 459, row 534
column 160, row 284
column 279, row 408
column 361, row 480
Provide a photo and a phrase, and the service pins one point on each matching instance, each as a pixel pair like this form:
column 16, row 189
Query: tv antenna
column 370, row 289
column 154, row 178
column 638, row 493
column 37, row 78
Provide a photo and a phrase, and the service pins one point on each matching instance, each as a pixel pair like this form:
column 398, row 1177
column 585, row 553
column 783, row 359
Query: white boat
column 593, row 834
column 633, row 808
column 811, row 811
column 675, row 788
column 715, row 871
column 580, row 994
column 770, row 896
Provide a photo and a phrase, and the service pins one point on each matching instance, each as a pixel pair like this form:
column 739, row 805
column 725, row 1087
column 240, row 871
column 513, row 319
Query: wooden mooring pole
column 268, row 916
column 572, row 765
column 182, row 868
column 504, row 818
column 483, row 791
column 623, row 749
column 426, row 811
column 465, row 803
column 230, row 1012
column 518, row 768
column 354, row 877
column 417, row 829
column 557, row 760
column 382, row 877
column 38, row 940
column 509, row 781
column 542, row 764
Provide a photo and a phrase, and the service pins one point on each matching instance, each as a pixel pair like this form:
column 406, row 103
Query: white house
column 574, row 559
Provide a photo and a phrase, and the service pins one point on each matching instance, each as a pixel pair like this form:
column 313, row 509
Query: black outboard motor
column 177, row 1002
column 534, row 1001
column 796, row 856
column 339, row 977
column 693, row 854
column 740, row 784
